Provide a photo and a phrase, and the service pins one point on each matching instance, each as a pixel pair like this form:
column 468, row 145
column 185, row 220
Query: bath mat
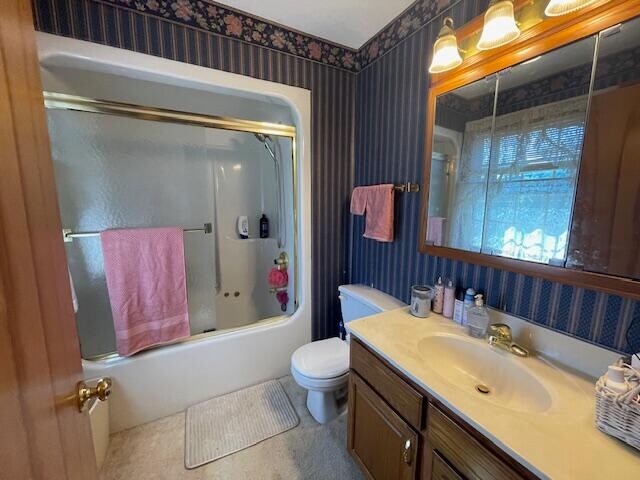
column 230, row 423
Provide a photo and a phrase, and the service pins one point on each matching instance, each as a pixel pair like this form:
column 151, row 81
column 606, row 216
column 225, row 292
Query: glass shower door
column 121, row 172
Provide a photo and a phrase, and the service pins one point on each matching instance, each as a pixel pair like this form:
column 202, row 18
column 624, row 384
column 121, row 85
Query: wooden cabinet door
column 380, row 441
column 43, row 436
column 441, row 470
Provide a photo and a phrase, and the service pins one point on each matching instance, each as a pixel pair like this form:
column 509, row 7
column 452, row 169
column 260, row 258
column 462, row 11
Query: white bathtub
column 166, row 380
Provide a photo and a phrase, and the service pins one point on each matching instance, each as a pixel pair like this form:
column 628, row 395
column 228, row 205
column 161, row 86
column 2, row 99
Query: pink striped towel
column 147, row 285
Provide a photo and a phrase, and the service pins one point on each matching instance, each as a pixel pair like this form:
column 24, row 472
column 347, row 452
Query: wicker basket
column 619, row 415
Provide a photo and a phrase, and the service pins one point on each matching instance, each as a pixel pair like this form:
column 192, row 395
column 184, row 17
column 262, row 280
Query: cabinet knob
column 406, row 452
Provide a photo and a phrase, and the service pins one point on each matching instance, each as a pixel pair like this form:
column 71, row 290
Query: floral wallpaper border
column 216, row 18
column 222, row 20
column 411, row 20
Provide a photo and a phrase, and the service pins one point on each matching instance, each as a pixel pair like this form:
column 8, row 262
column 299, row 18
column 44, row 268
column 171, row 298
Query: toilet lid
column 322, row 359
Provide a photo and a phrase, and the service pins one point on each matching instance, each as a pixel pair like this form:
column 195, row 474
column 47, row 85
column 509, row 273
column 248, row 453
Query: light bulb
column 446, row 55
column 500, row 25
column 555, row 8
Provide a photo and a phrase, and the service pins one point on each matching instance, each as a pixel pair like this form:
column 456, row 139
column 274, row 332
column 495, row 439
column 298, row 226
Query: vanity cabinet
column 382, row 443
column 398, row 432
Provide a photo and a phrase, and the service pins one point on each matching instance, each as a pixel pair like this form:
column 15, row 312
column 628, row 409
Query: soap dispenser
column 478, row 318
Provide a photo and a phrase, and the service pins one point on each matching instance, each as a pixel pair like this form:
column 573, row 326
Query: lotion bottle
column 438, row 299
column 449, row 299
column 616, row 381
column 468, row 303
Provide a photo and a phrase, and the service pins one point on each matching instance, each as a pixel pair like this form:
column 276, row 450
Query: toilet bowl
column 322, row 367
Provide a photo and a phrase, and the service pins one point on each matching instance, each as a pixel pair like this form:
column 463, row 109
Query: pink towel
column 359, row 200
column 435, row 230
column 147, row 286
column 376, row 201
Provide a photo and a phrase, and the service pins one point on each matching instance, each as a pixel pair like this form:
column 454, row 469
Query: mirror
column 541, row 108
column 538, row 162
column 458, row 181
column 605, row 232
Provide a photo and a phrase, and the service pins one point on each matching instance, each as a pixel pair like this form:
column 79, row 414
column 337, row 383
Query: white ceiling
column 347, row 22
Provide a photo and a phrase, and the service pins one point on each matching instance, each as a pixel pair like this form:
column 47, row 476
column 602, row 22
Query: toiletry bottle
column 243, row 227
column 458, row 306
column 615, row 380
column 468, row 302
column 478, row 318
column 449, row 299
column 264, row 226
column 438, row 299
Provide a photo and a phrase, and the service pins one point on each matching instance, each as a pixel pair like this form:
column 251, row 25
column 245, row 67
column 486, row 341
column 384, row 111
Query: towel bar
column 407, row 187
column 68, row 235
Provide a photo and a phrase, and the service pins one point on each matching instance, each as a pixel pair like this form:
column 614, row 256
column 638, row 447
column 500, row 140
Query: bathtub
column 99, row 419
column 168, row 379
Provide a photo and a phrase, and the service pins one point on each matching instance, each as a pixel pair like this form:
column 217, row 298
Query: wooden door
column 379, row 440
column 42, row 434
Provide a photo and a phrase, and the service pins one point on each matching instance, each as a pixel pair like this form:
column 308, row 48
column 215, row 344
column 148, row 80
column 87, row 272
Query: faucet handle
column 501, row 331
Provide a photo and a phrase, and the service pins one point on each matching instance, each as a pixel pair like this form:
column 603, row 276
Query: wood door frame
column 549, row 34
column 43, row 435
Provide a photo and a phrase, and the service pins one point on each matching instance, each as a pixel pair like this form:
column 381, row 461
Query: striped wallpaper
column 390, row 125
column 332, row 123
column 375, row 118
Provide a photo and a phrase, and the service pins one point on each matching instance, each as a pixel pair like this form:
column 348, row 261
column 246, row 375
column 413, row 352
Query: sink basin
column 492, row 375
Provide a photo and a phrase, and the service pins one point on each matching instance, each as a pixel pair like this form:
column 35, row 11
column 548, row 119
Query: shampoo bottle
column 264, row 226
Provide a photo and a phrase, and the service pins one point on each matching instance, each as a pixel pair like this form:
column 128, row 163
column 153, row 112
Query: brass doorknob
column 85, row 393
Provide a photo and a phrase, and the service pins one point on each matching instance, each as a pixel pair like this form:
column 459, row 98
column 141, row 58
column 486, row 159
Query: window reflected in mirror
column 459, row 166
column 541, row 109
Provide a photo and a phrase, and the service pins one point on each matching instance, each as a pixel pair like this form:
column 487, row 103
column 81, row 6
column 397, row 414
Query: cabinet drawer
column 402, row 397
column 463, row 452
column 441, row 470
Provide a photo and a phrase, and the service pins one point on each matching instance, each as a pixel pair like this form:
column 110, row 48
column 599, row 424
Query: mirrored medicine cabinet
column 534, row 167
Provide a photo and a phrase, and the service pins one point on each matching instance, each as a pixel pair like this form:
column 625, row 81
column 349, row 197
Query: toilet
column 322, row 367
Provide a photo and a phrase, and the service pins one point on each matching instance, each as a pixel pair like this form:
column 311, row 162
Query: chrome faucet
column 499, row 336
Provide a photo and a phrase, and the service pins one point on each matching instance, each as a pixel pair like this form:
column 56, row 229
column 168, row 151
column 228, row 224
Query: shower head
column 262, row 137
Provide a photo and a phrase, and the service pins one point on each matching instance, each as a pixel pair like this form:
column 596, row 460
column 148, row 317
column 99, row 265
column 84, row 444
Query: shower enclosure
column 123, row 165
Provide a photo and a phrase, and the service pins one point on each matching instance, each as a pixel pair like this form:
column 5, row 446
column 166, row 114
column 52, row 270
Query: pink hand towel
column 435, row 230
column 359, row 200
column 376, row 201
column 147, row 285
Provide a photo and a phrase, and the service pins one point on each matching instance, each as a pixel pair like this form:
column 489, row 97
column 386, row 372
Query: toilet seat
column 321, row 360
column 319, row 384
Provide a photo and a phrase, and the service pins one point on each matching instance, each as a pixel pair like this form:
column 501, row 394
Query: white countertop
column 561, row 443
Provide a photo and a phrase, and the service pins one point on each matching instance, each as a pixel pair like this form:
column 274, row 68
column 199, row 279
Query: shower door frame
column 63, row 101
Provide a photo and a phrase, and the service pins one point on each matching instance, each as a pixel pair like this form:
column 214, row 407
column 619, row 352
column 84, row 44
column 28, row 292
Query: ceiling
column 347, row 22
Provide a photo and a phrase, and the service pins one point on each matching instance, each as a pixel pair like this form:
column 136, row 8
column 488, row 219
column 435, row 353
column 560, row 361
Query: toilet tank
column 357, row 301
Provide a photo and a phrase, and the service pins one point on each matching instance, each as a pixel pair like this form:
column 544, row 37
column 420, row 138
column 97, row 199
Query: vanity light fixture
column 500, row 25
column 555, row 8
column 446, row 55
